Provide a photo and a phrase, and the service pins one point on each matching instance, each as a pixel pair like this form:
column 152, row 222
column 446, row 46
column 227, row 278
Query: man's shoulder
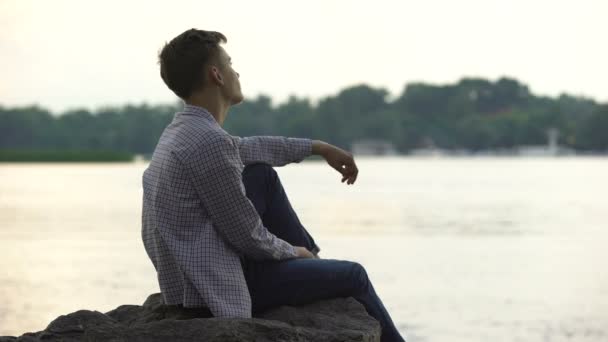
column 195, row 140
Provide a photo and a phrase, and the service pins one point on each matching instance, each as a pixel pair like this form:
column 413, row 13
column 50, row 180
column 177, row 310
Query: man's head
column 194, row 63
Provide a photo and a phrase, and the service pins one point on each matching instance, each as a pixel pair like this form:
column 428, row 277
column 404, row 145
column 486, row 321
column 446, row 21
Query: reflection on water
column 459, row 249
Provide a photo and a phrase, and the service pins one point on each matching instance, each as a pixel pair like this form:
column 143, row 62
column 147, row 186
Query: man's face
column 232, row 86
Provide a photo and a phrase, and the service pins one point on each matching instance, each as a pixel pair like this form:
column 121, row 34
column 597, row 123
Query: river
column 459, row 249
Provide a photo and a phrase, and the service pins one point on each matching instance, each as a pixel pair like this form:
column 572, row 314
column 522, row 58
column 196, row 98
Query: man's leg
column 299, row 281
column 264, row 189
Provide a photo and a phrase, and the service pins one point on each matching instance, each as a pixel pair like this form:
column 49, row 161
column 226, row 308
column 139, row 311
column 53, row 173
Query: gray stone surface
column 337, row 319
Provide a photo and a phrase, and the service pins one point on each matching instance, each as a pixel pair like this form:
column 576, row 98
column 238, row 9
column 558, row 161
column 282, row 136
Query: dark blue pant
column 300, row 281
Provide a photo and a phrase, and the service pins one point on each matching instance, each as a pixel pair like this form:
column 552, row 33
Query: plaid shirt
column 196, row 219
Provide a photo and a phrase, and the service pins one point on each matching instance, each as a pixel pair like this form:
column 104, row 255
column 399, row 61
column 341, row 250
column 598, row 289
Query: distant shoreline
column 84, row 156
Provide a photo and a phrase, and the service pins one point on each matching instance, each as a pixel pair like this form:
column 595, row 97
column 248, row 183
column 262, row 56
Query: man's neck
column 217, row 108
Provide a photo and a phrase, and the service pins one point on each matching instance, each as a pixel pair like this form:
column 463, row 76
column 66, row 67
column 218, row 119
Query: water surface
column 459, row 249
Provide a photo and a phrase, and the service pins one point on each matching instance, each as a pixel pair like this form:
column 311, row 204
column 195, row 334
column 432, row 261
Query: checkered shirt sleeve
column 273, row 150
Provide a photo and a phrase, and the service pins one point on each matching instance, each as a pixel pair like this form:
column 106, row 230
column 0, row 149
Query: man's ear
column 216, row 76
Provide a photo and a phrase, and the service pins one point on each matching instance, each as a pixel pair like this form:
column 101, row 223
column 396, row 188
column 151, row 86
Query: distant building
column 427, row 148
column 551, row 149
column 373, row 147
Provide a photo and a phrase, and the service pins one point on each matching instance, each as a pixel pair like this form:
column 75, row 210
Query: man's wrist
column 319, row 147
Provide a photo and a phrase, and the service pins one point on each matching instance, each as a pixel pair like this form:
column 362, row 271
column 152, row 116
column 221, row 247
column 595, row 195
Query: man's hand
column 304, row 253
column 342, row 161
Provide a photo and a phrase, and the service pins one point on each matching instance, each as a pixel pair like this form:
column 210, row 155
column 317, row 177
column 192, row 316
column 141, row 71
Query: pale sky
column 67, row 54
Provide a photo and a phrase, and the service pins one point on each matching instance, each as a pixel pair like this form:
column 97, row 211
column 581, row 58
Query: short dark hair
column 182, row 59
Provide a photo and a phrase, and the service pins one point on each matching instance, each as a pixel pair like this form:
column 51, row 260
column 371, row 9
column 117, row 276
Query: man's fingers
column 351, row 180
column 350, row 174
column 354, row 171
column 345, row 176
column 347, row 168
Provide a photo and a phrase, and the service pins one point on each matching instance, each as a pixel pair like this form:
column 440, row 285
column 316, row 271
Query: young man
column 216, row 221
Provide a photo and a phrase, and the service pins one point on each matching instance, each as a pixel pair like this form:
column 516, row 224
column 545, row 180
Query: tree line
column 472, row 114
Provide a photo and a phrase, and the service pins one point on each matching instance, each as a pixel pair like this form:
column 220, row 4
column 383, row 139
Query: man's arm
column 215, row 172
column 274, row 150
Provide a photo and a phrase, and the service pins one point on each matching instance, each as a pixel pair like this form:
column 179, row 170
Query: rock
column 337, row 319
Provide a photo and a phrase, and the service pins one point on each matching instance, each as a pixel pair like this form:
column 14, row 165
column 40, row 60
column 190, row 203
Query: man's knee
column 258, row 169
column 359, row 277
column 259, row 173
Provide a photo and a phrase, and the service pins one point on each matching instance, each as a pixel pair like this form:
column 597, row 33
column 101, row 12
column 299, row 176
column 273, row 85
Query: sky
column 66, row 54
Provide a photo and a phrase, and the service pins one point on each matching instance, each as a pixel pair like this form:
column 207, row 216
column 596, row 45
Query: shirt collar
column 198, row 111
